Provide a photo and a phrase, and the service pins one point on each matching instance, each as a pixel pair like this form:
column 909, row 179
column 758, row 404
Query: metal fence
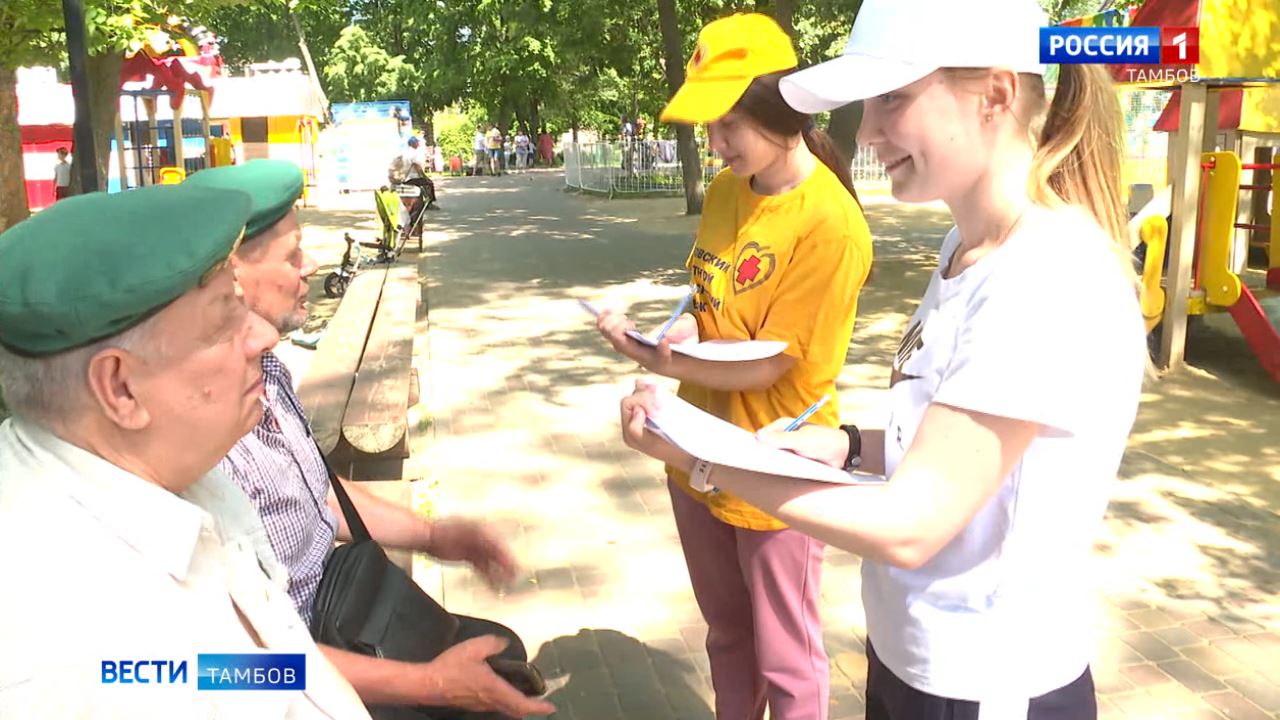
column 653, row 167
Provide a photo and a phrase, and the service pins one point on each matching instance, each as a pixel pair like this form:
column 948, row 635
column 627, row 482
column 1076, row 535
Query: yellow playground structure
column 1198, row 233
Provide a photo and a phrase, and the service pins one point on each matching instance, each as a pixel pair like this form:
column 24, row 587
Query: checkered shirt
column 281, row 470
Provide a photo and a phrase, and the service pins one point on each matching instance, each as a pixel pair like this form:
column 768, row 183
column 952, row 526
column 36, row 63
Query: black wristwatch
column 854, row 459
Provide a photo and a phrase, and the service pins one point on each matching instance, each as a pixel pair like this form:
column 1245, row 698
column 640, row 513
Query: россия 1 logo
column 1168, row 46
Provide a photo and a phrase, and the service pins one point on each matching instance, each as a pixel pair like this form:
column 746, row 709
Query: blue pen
column 795, row 424
column 684, row 302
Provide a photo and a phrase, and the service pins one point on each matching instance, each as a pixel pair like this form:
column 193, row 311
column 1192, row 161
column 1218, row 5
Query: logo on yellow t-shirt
column 753, row 267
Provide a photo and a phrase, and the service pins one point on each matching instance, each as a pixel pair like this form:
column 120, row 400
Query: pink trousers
column 758, row 592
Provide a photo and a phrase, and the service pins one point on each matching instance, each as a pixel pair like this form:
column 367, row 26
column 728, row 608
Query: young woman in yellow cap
column 1013, row 391
column 781, row 254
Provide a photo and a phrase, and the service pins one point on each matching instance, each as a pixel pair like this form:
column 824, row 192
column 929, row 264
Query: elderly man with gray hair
column 132, row 365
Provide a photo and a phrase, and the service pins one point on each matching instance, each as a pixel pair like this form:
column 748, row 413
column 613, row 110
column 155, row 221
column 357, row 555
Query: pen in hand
column 684, row 302
column 795, row 424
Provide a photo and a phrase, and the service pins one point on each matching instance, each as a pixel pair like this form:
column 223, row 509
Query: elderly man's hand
column 469, row 541
column 461, row 678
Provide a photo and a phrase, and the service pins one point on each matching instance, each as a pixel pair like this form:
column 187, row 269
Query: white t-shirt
column 1045, row 328
column 62, row 173
column 478, row 142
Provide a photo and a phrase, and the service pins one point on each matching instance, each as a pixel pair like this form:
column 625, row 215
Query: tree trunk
column 843, row 128
column 13, row 188
column 686, row 147
column 104, row 103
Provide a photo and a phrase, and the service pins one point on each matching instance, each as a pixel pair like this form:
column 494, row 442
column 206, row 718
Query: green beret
column 95, row 265
column 274, row 186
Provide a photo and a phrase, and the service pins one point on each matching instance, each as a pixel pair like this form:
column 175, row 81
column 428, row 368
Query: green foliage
column 357, row 68
column 1060, row 10
column 455, row 130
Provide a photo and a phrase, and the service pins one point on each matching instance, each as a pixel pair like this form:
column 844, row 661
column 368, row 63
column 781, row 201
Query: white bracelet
column 701, row 473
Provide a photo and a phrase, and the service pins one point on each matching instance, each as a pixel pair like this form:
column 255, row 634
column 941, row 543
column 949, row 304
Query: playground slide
column 1258, row 320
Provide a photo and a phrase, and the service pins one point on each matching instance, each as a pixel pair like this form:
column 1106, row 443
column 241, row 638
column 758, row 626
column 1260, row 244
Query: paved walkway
column 524, row 400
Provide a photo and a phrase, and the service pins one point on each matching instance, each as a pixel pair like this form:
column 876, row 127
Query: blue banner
column 1100, row 45
column 247, row 671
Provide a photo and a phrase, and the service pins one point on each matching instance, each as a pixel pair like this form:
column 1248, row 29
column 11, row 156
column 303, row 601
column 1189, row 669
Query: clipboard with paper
column 706, row 436
column 713, row 350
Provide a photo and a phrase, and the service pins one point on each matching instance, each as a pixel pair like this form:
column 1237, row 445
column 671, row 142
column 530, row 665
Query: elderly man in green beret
column 282, row 471
column 132, row 365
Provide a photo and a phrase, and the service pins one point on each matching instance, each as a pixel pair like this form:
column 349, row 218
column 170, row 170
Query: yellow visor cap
column 731, row 52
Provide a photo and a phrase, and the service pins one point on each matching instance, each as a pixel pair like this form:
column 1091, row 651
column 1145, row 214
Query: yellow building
column 270, row 115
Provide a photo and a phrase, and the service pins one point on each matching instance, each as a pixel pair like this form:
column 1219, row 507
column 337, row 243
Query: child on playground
column 1012, row 392
column 781, row 253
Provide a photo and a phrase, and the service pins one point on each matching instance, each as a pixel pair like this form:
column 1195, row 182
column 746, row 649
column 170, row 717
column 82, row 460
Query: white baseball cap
column 896, row 42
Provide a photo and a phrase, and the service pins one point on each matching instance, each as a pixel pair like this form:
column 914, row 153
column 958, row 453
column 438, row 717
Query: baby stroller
column 395, row 235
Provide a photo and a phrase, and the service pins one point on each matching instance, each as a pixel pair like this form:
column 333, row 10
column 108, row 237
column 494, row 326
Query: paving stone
column 1260, row 692
column 1209, row 629
column 1238, row 623
column 1214, row 661
column 661, row 649
column 1109, row 681
column 846, row 704
column 1248, row 653
column 1107, row 710
column 1151, row 647
column 695, row 636
column 1144, row 676
column 853, row 666
column 1233, row 705
column 1192, row 676
column 1268, row 641
column 688, row 704
column 1152, row 619
column 1178, row 637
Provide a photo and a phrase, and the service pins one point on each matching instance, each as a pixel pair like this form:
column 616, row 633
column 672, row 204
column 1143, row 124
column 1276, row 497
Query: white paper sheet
column 708, row 437
column 713, row 350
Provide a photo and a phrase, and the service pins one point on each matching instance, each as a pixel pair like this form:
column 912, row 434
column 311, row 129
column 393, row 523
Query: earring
column 988, row 117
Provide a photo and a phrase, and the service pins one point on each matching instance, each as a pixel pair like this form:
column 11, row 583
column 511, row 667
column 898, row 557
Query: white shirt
column 62, row 173
column 1045, row 328
column 413, row 162
column 99, row 564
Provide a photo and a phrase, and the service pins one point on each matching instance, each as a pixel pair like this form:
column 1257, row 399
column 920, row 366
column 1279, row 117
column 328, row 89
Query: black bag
column 367, row 604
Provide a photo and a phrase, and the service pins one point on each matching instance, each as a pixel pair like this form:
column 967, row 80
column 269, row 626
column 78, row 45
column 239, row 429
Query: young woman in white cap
column 1014, row 388
column 781, row 254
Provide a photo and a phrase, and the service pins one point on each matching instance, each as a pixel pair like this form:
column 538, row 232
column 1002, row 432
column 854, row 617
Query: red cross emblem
column 748, row 270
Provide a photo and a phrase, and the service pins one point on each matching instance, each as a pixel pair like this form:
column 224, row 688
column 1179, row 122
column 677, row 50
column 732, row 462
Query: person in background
column 62, row 176
column 479, row 144
column 493, row 143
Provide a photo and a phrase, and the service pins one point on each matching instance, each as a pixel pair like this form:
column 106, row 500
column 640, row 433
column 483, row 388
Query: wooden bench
column 361, row 383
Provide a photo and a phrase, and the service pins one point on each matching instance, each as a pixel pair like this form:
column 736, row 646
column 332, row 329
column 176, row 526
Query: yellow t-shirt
column 781, row 267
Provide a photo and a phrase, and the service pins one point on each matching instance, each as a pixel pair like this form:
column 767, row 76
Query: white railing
column 653, row 166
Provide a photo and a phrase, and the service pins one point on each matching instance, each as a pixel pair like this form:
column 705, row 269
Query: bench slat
column 325, row 389
column 377, row 414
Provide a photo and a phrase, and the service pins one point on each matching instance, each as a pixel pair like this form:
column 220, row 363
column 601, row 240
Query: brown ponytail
column 763, row 103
